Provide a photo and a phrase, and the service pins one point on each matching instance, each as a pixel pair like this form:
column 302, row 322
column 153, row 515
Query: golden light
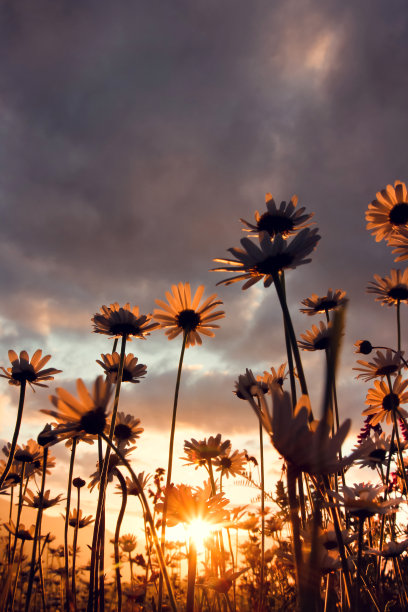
column 199, row 530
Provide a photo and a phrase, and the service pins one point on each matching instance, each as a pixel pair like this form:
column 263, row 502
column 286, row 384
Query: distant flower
column 378, row 453
column 203, row 450
column 127, row 428
column 400, row 242
column 274, row 376
column 316, row 339
column 29, row 453
column 114, row 462
column 22, row 369
column 35, row 501
column 390, row 289
column 388, row 213
column 247, row 383
column 317, row 305
column 223, row 583
column 383, row 402
column 363, row 346
column 255, row 263
column 82, row 416
column 284, row 220
column 390, row 549
column 117, row 321
column 384, row 364
column 132, row 370
column 127, row 542
column 76, row 519
column 78, row 482
column 361, row 500
column 132, row 488
column 183, row 314
column 185, row 505
column 21, row 533
column 231, row 464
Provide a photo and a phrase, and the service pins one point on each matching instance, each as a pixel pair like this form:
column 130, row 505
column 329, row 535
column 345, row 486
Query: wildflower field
column 316, row 540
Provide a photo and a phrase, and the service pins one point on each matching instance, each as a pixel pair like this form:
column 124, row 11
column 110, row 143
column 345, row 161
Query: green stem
column 36, row 540
column 150, row 520
column 399, row 325
column 15, row 435
column 170, row 460
column 123, row 487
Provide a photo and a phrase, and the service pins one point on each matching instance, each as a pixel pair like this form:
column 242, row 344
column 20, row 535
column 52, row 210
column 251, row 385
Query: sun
column 199, row 530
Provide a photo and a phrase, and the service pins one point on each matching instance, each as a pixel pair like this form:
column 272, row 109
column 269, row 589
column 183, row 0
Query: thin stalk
column 294, row 518
column 399, row 325
column 359, row 559
column 36, row 540
column 123, row 487
column 192, row 566
column 15, row 435
column 170, row 460
column 261, row 449
column 17, row 575
column 74, row 546
column 289, row 351
column 291, row 332
column 66, row 555
column 102, row 484
column 150, row 520
column 401, row 458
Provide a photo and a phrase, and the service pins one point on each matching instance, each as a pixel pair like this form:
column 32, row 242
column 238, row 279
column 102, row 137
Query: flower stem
column 359, row 559
column 261, row 450
column 69, row 489
column 192, row 565
column 399, row 325
column 36, row 541
column 74, row 547
column 15, row 435
column 170, row 461
column 123, row 487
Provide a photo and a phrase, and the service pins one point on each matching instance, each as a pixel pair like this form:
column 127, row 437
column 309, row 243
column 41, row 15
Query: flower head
column 84, row 416
column 132, row 371
column 199, row 452
column 388, row 213
column 384, row 364
column 183, row 314
column 132, row 487
column 274, row 376
column 316, row 339
column 21, row 533
column 361, row 500
column 22, row 369
column 284, row 220
column 383, row 401
column 400, row 242
column 127, row 542
column 363, row 346
column 377, row 454
column 317, row 305
column 122, row 321
column 127, row 428
column 76, row 519
column 247, row 383
column 36, row 501
column 185, row 505
column 231, row 464
column 254, row 263
column 390, row 289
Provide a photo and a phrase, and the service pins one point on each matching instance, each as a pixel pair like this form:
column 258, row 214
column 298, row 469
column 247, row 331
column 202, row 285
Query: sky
column 135, row 135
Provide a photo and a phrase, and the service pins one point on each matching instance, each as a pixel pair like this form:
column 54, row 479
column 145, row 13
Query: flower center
column 24, row 456
column 387, row 369
column 122, row 431
column 28, row 374
column 226, row 463
column 93, row 422
column 124, row 329
column 400, row 292
column 322, row 343
column 378, row 455
column 399, row 214
column 188, row 319
column 275, row 224
column 390, row 401
column 272, row 264
column 325, row 304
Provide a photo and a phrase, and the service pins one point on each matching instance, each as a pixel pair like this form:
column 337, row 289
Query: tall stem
column 399, row 325
column 123, row 487
column 69, row 489
column 74, row 547
column 192, row 565
column 15, row 435
column 170, row 460
column 261, row 449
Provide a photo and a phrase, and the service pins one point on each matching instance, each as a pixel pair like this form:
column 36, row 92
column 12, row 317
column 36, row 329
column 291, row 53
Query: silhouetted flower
column 247, row 383
column 202, row 450
column 127, row 428
column 317, row 305
column 400, row 242
column 132, row 488
column 285, row 220
column 274, row 376
column 390, row 289
column 231, row 464
column 378, row 454
column 29, row 453
column 127, row 542
column 117, row 321
column 21, row 533
column 183, row 313
column 114, row 462
column 78, row 483
column 363, row 346
column 132, row 370
column 383, row 402
column 255, row 263
column 390, row 549
column 22, row 369
column 384, row 364
column 388, row 213
column 85, row 415
column 316, row 339
column 75, row 519
column 361, row 500
column 35, row 501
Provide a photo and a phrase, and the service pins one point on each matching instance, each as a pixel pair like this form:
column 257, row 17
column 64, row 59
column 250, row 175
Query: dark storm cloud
column 135, row 135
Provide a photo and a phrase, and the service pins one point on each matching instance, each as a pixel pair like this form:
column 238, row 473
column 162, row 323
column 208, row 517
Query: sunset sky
column 135, row 135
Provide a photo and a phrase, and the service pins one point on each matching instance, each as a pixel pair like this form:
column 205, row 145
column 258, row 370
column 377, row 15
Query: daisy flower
column 274, row 376
column 388, row 213
column 38, row 501
column 391, row 549
column 316, row 339
column 31, row 371
column 127, row 542
column 231, row 464
column 284, row 220
column 204, row 450
column 132, row 370
column 86, row 414
column 316, row 305
column 254, row 263
column 361, row 500
column 76, row 519
column 132, row 488
column 247, row 383
column 127, row 428
column 122, row 321
column 383, row 401
column 400, row 242
column 377, row 455
column 383, row 364
column 183, row 313
column 390, row 289
column 186, row 505
column 21, row 533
